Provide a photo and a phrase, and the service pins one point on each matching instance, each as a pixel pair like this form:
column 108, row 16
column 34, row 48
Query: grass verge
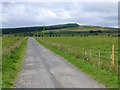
column 11, row 65
column 110, row 80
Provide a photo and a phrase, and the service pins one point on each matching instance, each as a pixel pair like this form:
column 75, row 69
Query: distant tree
column 118, row 35
column 31, row 34
column 51, row 32
column 91, row 31
column 96, row 34
column 109, row 35
column 99, row 31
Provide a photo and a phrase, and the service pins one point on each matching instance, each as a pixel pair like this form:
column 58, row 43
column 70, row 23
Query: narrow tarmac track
column 44, row 69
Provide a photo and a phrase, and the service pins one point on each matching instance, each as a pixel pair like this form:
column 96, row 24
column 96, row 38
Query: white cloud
column 27, row 14
column 59, row 1
column 1, row 15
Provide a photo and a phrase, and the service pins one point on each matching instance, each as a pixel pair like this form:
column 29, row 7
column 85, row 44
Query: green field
column 13, row 52
column 91, row 54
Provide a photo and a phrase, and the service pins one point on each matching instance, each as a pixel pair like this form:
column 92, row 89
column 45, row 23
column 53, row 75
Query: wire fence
column 106, row 60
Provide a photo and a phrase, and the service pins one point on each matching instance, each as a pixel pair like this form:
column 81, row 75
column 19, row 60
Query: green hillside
column 70, row 29
column 37, row 28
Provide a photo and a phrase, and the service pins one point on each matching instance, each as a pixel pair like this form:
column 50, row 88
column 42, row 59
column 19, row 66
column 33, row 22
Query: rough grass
column 9, row 41
column 11, row 65
column 109, row 79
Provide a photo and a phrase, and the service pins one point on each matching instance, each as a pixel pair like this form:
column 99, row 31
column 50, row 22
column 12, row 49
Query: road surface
column 44, row 69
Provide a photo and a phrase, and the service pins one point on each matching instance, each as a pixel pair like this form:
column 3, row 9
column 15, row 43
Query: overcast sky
column 16, row 14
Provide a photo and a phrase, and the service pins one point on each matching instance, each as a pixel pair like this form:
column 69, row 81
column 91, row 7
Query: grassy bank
column 68, row 51
column 12, row 62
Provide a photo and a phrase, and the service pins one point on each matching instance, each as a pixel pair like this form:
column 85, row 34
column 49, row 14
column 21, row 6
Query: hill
column 37, row 28
column 62, row 29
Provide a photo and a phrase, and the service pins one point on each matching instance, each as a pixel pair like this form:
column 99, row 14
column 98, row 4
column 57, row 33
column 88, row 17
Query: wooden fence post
column 113, row 55
column 90, row 57
column 84, row 54
column 99, row 58
column 90, row 54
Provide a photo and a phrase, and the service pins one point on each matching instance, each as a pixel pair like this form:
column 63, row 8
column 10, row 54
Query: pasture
column 92, row 54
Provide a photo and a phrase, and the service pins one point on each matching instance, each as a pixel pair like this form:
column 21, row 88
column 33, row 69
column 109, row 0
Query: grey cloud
column 29, row 14
column 100, row 7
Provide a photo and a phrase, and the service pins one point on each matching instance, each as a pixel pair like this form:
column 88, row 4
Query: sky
column 24, row 14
